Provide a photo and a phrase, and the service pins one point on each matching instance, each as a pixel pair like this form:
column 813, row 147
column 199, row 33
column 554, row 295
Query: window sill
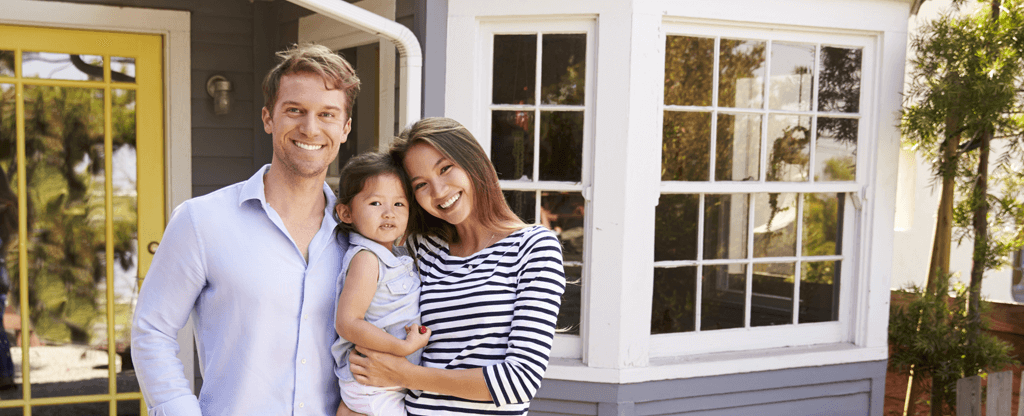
column 717, row 364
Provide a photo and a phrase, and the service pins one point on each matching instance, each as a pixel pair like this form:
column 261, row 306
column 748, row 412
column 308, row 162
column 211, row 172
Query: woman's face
column 440, row 186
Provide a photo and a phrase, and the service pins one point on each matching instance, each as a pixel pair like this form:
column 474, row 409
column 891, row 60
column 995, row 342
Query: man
column 257, row 264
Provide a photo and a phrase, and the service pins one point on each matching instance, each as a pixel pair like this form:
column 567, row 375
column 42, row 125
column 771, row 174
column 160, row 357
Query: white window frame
column 758, row 338
column 566, row 346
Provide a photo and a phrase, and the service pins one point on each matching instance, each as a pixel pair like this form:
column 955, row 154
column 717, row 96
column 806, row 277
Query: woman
column 491, row 284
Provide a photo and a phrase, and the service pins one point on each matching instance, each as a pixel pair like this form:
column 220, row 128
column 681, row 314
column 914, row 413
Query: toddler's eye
column 399, row 204
column 374, row 204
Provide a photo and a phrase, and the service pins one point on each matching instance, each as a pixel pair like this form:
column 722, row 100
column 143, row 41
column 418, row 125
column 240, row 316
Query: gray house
column 721, row 174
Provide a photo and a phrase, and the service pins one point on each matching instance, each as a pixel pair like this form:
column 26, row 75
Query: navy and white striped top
column 495, row 309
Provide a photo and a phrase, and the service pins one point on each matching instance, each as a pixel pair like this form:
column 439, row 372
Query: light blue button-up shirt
column 264, row 317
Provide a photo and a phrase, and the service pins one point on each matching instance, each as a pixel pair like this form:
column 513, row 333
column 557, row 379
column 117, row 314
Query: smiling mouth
column 308, row 146
column 450, row 201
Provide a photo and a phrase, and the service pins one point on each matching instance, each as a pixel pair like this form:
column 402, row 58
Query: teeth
column 308, row 146
column 450, row 201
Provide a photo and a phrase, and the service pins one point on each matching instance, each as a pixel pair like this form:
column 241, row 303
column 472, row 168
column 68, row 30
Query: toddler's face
column 380, row 211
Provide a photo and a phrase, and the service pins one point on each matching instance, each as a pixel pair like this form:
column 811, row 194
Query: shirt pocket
column 403, row 285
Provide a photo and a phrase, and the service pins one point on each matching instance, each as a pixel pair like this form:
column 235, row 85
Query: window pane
column 725, row 226
column 689, row 69
column 122, row 69
column 563, row 69
column 9, row 236
column 569, row 312
column 839, row 80
column 515, row 69
column 823, row 227
column 723, row 297
column 738, row 147
column 67, row 241
column 741, row 73
column 774, row 225
column 792, row 72
column 561, row 145
column 675, row 227
column 772, row 300
column 126, row 243
column 685, row 146
column 819, row 291
column 523, row 203
column 672, row 307
column 512, row 144
column 788, row 151
column 6, row 63
column 835, row 150
column 61, row 66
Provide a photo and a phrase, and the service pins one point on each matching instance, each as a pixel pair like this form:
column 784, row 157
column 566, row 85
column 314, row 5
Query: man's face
column 308, row 124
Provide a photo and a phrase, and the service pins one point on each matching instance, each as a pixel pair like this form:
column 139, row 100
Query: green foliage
column 930, row 333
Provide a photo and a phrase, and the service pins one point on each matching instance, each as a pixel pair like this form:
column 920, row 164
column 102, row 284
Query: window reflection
column 835, row 150
column 563, row 69
column 774, row 224
column 675, row 227
column 512, row 144
column 723, row 297
column 514, row 69
column 839, row 80
column 64, row 66
column 686, row 146
column 741, row 73
column 772, row 299
column 789, row 139
column 823, row 226
column 689, row 69
column 738, row 147
column 6, row 63
column 792, row 73
column 561, row 146
column 819, row 291
column 725, row 226
column 673, row 306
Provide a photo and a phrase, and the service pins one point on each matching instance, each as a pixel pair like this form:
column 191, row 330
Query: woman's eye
column 417, row 187
column 446, row 168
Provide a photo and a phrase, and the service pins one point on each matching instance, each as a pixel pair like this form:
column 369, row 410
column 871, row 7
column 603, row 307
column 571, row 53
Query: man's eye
column 328, row 115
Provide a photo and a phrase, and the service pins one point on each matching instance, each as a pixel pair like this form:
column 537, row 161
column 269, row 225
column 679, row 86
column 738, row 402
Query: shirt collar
column 382, row 252
column 253, row 188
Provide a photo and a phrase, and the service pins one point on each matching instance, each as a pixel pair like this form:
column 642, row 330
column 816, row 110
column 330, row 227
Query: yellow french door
column 81, row 146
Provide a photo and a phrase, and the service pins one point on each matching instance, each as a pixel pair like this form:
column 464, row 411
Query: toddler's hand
column 417, row 336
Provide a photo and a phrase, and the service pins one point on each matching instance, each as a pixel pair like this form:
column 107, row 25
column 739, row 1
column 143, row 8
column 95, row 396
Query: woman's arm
column 356, row 296
column 376, row 368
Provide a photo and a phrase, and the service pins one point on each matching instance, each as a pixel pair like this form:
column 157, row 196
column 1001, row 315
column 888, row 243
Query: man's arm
column 176, row 277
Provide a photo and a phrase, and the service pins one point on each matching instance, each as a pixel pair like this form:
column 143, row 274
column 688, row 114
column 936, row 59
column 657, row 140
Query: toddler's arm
column 356, row 296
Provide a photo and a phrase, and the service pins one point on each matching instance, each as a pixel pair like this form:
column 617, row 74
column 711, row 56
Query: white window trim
column 627, row 126
column 175, row 27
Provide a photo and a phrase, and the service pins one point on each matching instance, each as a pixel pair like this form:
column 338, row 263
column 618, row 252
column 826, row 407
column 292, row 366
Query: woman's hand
column 375, row 368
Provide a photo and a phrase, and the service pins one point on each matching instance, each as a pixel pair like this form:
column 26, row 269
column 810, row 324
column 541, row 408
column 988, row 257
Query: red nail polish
column 423, row 329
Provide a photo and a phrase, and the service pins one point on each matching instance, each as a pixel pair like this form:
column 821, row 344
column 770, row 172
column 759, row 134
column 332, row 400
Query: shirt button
column 405, row 285
column 303, row 360
column 306, row 316
column 302, row 405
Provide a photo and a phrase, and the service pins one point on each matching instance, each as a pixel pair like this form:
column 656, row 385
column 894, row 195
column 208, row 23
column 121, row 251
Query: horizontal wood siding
column 849, row 389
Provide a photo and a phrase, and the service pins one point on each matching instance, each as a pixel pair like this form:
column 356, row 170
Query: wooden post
column 1020, row 400
column 999, row 396
column 968, row 396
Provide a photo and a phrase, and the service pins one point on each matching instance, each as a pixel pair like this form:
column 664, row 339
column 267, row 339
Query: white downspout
column 410, row 56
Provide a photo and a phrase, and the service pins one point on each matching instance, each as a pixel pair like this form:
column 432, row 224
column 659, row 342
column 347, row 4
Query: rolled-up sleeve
column 175, row 279
column 538, row 297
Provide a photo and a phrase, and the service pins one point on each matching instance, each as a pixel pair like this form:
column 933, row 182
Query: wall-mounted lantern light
column 218, row 87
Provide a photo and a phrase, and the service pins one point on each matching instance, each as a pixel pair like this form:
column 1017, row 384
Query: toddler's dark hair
column 360, row 169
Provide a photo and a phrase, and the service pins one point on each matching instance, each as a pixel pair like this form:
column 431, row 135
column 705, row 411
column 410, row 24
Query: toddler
column 379, row 293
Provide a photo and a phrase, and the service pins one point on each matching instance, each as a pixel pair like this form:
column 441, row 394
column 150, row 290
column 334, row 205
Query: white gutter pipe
column 410, row 56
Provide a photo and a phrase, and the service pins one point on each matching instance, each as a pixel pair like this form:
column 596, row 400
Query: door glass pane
column 6, row 63
column 839, row 80
column 774, row 224
column 738, row 147
column 126, row 243
column 512, row 144
column 771, row 302
column 792, row 75
column 122, row 69
column 66, row 247
column 48, row 65
column 563, row 69
column 723, row 296
column 675, row 293
column 675, row 227
column 725, row 226
column 515, row 69
column 9, row 285
column 523, row 203
column 685, row 146
column 822, row 225
column 561, row 145
column 563, row 213
column 741, row 73
column 836, row 150
column 789, row 153
column 689, row 70
column 819, row 291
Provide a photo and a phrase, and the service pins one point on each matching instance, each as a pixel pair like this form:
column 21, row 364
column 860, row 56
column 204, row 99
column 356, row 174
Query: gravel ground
column 67, row 371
